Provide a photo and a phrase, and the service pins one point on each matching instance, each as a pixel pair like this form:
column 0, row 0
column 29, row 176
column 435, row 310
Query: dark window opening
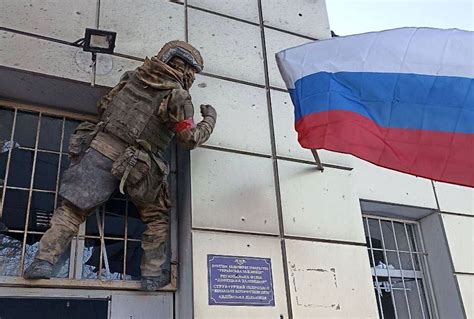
column 13, row 308
column 396, row 257
column 108, row 245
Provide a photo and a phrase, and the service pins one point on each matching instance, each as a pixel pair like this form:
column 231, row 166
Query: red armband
column 184, row 125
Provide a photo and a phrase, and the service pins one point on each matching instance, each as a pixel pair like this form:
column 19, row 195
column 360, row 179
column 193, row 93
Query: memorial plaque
column 240, row 281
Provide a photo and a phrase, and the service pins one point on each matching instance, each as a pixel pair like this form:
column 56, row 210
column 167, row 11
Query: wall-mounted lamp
column 96, row 41
column 99, row 41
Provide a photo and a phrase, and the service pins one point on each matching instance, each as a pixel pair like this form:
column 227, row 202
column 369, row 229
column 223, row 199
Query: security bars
column 397, row 262
column 30, row 170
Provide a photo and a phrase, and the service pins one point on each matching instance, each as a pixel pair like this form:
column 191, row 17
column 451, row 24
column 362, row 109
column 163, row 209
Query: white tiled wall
column 231, row 48
column 233, row 192
column 306, row 17
column 460, row 235
column 384, row 185
column 58, row 19
column 35, row 55
column 111, row 68
column 466, row 285
column 242, row 9
column 237, row 192
column 142, row 26
column 319, row 205
column 205, row 243
column 275, row 42
column 330, row 281
column 455, row 199
column 242, row 114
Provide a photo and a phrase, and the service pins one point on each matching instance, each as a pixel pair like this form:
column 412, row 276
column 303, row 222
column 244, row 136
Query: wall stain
column 294, row 271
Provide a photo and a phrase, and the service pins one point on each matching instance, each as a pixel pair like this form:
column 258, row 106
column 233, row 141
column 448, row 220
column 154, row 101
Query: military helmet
column 181, row 50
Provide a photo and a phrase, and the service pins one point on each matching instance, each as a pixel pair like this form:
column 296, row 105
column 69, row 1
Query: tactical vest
column 133, row 115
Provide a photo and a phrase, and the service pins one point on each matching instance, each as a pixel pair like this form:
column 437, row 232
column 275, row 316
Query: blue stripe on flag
column 392, row 100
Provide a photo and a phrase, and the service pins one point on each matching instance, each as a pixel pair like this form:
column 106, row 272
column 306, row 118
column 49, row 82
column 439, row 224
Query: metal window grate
column 397, row 262
column 106, row 252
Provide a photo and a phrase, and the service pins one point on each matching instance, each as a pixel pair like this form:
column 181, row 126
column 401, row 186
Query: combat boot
column 39, row 269
column 153, row 283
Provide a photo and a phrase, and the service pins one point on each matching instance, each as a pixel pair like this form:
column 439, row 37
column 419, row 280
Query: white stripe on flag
column 406, row 50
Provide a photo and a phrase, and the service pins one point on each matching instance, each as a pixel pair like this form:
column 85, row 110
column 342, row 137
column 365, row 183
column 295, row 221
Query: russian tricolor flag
column 402, row 99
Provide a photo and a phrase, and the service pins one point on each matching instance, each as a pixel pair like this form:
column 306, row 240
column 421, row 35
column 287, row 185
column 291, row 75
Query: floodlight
column 99, row 41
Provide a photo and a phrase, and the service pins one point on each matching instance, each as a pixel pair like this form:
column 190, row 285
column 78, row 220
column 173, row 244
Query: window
column 107, row 250
column 397, row 260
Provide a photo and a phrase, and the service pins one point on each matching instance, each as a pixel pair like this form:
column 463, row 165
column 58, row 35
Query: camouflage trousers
column 95, row 178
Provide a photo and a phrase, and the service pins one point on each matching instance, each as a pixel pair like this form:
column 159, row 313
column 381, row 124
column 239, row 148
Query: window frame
column 74, row 278
column 422, row 275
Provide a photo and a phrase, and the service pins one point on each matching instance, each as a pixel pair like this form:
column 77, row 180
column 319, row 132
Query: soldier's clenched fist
column 208, row 110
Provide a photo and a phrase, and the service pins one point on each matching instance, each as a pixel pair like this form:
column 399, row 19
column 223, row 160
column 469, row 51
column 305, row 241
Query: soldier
column 138, row 119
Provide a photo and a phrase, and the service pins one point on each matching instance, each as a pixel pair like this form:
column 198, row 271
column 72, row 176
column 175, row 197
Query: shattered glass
column 10, row 255
column 115, row 254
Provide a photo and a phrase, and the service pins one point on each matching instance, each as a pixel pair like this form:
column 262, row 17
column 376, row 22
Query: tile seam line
column 463, row 273
column 291, row 33
column 94, row 55
column 276, row 176
column 271, row 120
column 37, row 36
column 302, row 161
column 276, row 236
column 125, row 56
column 435, row 196
column 249, row 22
column 188, row 199
column 263, row 155
column 186, row 20
column 328, row 241
column 235, row 151
column 43, row 37
column 234, row 232
column 274, row 88
column 223, row 15
column 455, row 214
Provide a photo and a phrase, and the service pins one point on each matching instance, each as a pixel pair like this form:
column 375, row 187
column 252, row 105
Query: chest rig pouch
column 131, row 167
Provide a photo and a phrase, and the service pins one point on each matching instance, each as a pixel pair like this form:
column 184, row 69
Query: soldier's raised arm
column 181, row 112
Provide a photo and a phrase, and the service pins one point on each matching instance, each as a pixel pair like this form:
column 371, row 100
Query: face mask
column 188, row 77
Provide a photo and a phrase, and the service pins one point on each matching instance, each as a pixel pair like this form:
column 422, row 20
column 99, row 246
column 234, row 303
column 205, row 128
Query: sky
column 358, row 16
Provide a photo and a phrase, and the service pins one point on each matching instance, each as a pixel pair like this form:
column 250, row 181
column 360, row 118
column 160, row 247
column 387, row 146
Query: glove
column 208, row 110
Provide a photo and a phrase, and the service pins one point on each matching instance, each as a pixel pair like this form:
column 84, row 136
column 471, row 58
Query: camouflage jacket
column 150, row 105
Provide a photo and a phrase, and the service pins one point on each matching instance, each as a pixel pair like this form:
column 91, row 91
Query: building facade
column 256, row 230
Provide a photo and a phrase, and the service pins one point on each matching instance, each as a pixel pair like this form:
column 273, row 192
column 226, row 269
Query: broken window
column 397, row 261
column 33, row 155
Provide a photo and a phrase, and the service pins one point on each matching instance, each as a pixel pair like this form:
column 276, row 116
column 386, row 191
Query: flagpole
column 319, row 165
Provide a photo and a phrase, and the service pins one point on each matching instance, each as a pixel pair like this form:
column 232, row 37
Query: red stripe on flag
column 442, row 156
